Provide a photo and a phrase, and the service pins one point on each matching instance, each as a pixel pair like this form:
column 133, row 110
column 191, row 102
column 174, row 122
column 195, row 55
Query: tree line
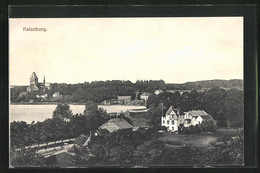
column 98, row 91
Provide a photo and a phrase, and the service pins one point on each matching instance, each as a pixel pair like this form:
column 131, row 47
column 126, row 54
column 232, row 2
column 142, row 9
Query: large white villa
column 172, row 119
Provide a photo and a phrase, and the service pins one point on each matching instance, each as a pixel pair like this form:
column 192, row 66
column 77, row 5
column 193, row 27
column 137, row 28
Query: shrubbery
column 205, row 126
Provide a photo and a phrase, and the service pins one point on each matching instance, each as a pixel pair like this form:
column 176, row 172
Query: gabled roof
column 197, row 113
column 202, row 113
column 172, row 109
column 81, row 140
column 120, row 122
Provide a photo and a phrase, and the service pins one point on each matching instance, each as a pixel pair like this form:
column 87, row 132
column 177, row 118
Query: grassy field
column 204, row 140
column 201, row 140
column 229, row 132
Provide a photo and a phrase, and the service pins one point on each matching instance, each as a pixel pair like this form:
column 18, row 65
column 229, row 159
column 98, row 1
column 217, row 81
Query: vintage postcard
column 134, row 92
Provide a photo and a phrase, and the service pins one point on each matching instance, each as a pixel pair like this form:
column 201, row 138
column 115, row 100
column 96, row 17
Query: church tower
column 34, row 79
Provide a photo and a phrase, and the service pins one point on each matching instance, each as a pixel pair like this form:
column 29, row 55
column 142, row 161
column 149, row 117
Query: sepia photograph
column 126, row 92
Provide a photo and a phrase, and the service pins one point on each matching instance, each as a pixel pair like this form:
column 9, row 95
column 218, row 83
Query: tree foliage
column 26, row 158
column 62, row 111
column 125, row 148
column 23, row 134
column 98, row 91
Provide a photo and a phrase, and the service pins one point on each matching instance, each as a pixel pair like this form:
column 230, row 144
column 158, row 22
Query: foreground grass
column 203, row 141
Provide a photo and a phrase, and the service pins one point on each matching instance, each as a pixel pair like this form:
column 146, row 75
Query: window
column 168, row 122
column 163, row 122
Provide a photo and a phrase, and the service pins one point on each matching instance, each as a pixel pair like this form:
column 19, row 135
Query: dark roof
column 120, row 122
column 81, row 140
column 207, row 117
column 172, row 109
column 102, row 131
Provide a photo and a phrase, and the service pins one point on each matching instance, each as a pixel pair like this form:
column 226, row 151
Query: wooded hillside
column 99, row 91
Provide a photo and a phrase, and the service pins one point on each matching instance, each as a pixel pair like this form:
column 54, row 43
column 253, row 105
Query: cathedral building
column 35, row 86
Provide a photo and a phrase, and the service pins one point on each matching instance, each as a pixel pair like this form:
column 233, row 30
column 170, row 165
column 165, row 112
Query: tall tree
column 154, row 114
column 215, row 104
column 95, row 116
column 62, row 111
column 234, row 108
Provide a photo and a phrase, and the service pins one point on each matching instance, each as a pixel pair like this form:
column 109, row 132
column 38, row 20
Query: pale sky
column 174, row 49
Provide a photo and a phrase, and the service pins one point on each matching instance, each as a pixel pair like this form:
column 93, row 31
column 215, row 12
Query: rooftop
column 120, row 122
column 81, row 140
column 172, row 109
column 202, row 113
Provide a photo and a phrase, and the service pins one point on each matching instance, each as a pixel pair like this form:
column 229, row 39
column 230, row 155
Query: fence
column 47, row 144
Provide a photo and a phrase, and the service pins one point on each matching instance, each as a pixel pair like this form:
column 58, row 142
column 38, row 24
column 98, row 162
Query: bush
column 205, row 126
column 228, row 151
column 162, row 128
column 209, row 126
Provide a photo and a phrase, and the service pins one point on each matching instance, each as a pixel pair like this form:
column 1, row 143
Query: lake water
column 29, row 113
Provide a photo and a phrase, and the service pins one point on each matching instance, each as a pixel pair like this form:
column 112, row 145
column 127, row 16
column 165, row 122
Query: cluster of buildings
column 39, row 89
column 128, row 100
column 36, row 86
column 173, row 120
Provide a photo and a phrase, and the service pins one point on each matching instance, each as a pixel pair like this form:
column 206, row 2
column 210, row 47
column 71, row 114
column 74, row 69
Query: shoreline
column 43, row 103
column 55, row 103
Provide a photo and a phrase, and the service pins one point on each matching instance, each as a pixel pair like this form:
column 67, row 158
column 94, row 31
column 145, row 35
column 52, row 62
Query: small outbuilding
column 82, row 141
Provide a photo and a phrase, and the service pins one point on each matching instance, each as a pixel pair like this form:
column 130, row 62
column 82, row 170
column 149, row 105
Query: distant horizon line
column 130, row 81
